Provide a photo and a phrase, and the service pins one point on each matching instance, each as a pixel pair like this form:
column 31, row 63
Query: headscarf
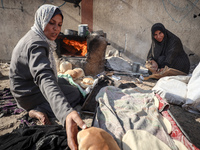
column 158, row 26
column 42, row 17
column 157, row 47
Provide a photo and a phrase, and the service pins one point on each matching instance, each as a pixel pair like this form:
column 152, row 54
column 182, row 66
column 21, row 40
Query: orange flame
column 78, row 45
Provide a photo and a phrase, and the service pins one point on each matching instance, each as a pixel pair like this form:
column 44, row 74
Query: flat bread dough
column 80, row 73
column 166, row 124
column 180, row 145
column 142, row 140
column 156, row 101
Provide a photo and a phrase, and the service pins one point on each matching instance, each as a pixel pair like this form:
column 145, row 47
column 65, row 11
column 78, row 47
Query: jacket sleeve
column 44, row 77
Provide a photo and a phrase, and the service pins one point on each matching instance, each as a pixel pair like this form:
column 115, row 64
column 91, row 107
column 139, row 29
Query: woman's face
column 158, row 35
column 53, row 28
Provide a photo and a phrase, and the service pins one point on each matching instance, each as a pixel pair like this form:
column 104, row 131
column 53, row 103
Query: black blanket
column 52, row 137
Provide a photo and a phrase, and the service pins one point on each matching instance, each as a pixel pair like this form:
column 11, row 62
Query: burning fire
column 79, row 47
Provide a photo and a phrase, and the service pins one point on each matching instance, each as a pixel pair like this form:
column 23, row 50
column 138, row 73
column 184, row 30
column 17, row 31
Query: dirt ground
column 190, row 123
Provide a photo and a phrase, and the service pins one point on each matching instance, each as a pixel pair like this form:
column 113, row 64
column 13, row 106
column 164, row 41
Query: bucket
column 70, row 32
column 135, row 67
column 83, row 30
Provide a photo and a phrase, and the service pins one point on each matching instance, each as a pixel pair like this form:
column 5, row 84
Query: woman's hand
column 73, row 120
column 152, row 66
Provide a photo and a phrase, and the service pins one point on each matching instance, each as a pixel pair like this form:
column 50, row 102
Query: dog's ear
column 96, row 139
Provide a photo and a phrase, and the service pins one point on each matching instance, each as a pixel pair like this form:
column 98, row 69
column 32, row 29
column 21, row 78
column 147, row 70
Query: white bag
column 172, row 88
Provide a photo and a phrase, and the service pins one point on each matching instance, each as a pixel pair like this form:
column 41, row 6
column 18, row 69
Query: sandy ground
column 8, row 123
column 190, row 122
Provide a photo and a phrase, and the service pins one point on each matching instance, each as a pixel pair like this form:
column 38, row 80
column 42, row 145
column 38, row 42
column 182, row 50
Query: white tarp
column 181, row 90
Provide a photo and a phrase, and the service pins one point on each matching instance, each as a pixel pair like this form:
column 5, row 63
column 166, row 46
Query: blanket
column 180, row 125
column 123, row 109
column 8, row 105
column 35, row 137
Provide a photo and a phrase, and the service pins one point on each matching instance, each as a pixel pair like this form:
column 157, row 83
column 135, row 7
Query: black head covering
column 57, row 11
column 157, row 26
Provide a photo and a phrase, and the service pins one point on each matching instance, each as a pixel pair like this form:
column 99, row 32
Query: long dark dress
column 169, row 52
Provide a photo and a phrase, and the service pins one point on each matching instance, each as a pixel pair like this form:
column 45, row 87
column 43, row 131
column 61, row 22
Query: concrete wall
column 17, row 17
column 126, row 22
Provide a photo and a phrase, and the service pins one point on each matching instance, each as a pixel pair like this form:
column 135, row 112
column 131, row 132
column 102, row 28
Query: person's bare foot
column 42, row 117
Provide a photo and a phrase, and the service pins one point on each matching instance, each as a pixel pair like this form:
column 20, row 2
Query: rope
column 62, row 5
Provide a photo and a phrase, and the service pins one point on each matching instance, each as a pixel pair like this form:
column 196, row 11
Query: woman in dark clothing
column 166, row 50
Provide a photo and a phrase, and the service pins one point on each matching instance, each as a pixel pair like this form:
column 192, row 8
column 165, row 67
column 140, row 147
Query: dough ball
column 64, row 66
column 72, row 73
column 94, row 138
column 86, row 82
column 80, row 73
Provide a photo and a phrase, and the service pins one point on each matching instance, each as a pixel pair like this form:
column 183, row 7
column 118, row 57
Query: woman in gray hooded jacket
column 33, row 75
